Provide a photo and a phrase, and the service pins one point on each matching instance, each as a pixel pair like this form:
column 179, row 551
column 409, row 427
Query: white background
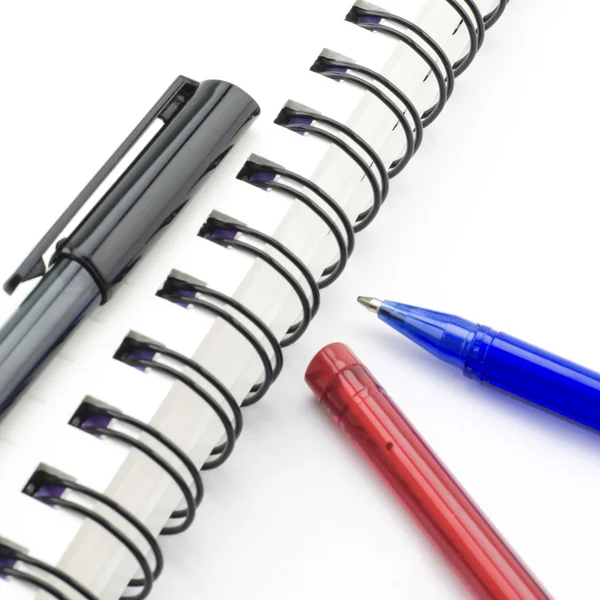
column 496, row 219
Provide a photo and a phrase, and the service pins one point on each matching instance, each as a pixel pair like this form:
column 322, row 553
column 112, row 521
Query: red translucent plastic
column 451, row 520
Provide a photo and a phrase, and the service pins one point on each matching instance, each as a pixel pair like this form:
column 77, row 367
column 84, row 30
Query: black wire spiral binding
column 184, row 293
column 148, row 580
column 223, row 232
column 358, row 13
column 370, row 18
column 431, row 114
column 416, row 131
column 341, row 69
column 102, row 430
column 263, row 175
column 176, row 291
column 32, row 580
column 338, row 70
column 48, row 489
column 51, row 482
column 479, row 22
column 492, row 17
column 290, row 119
column 330, row 276
column 297, row 329
column 140, row 354
column 18, row 556
column 192, row 364
column 87, row 419
column 265, row 179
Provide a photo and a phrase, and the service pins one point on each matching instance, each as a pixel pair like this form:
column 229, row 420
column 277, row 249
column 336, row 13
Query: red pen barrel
column 476, row 551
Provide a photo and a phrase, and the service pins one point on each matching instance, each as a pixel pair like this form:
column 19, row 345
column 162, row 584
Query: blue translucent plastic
column 502, row 361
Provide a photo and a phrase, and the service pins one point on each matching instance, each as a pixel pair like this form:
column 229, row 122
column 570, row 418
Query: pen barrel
column 41, row 323
column 559, row 385
column 201, row 125
column 481, row 558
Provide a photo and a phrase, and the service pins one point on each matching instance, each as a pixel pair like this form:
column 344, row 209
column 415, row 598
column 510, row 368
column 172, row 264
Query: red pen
column 482, row 559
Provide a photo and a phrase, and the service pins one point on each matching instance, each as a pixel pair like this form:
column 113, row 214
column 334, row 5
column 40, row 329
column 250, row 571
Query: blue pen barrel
column 541, row 377
column 500, row 360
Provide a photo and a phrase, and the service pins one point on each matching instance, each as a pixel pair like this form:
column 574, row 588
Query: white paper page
column 298, row 546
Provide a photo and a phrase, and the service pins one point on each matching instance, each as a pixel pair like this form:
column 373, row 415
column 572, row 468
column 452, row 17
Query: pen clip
column 166, row 109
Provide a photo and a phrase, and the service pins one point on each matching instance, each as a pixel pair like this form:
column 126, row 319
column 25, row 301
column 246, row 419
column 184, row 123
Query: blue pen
column 498, row 359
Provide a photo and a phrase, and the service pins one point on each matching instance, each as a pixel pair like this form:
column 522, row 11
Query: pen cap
column 192, row 127
column 201, row 122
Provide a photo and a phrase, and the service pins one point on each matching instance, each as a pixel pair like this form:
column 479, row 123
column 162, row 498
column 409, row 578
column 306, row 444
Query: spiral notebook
column 146, row 392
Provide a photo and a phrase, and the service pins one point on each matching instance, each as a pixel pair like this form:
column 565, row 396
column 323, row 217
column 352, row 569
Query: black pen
column 200, row 124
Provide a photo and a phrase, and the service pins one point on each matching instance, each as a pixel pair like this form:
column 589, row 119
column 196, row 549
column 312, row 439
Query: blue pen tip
column 371, row 304
column 445, row 336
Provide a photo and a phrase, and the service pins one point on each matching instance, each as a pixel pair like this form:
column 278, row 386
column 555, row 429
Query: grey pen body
column 42, row 321
column 201, row 124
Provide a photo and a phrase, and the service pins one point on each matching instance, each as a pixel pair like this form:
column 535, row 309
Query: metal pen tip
column 371, row 304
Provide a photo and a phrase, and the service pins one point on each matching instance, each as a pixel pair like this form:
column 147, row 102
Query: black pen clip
column 169, row 105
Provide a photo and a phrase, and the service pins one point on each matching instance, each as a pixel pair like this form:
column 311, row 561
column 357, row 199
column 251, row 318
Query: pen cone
column 371, row 304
